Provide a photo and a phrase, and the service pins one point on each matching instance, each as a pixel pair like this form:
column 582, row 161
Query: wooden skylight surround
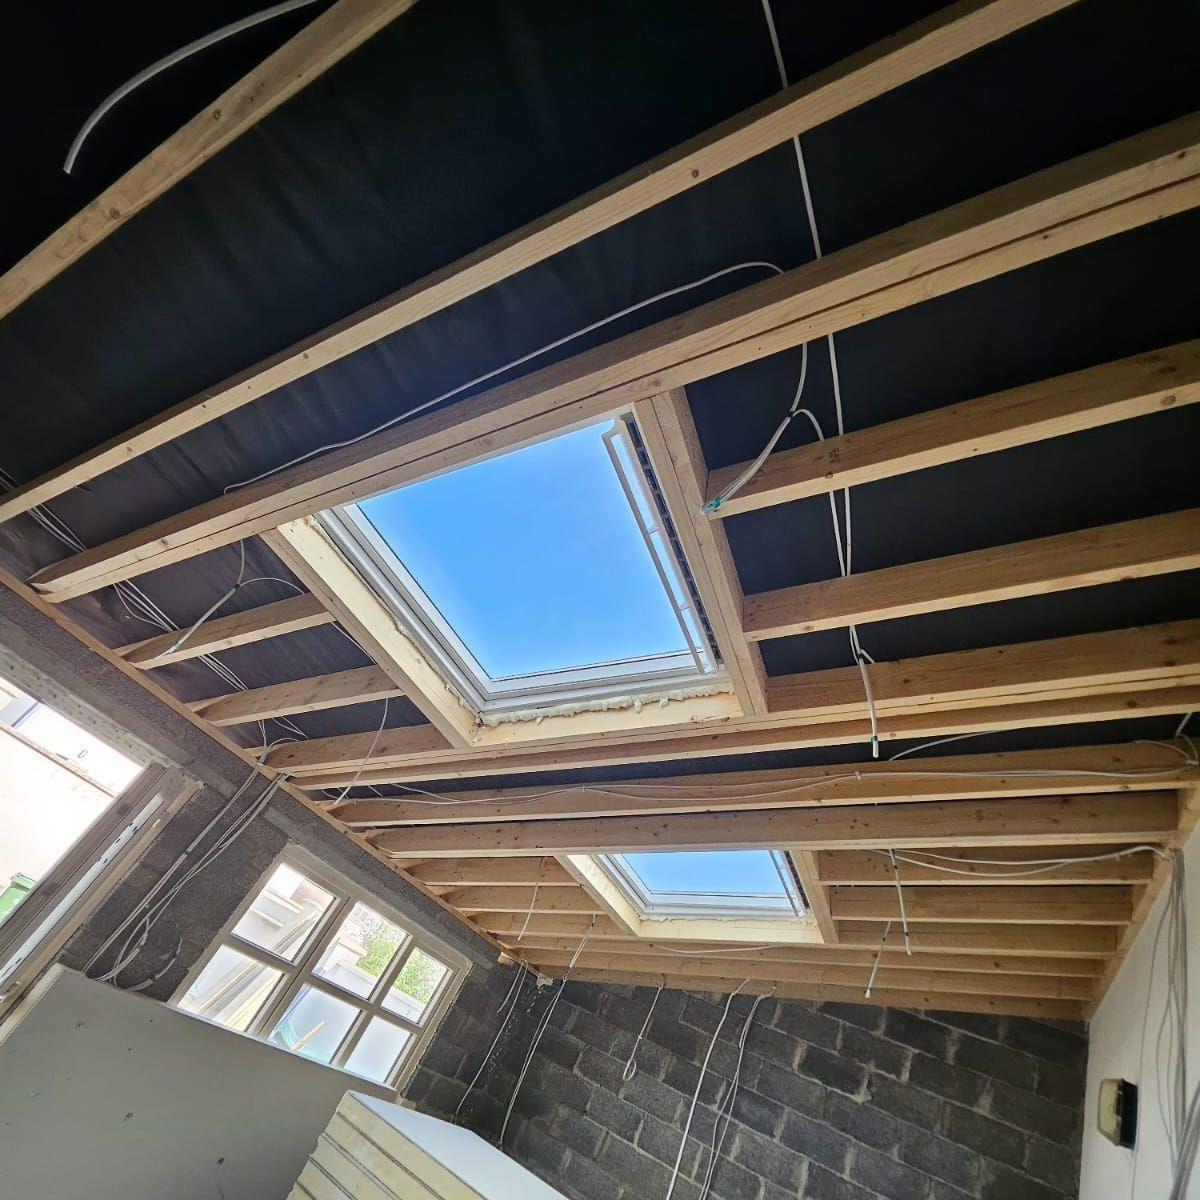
column 512, row 601
column 709, row 905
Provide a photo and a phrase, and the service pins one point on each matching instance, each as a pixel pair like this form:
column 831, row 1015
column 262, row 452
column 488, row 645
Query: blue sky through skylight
column 736, row 872
column 533, row 558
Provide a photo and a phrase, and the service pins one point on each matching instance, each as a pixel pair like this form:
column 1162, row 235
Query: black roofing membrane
column 461, row 121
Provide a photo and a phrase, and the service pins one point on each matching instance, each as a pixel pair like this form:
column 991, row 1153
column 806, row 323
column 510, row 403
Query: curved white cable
column 508, row 366
column 170, row 60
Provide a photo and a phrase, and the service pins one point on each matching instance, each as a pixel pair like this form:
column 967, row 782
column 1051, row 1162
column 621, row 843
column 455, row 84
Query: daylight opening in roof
column 549, row 567
column 714, row 882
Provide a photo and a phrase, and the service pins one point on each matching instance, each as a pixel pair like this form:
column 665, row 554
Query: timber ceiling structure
column 993, row 305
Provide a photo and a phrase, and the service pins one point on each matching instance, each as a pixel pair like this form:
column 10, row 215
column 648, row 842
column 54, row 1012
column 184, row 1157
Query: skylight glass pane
column 709, row 872
column 533, row 558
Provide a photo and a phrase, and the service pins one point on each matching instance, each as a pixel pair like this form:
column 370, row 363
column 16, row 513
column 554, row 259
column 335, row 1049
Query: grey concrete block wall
column 837, row 1102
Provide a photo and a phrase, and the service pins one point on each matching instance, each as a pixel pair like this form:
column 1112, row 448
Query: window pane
column 284, row 913
column 378, row 1049
column 416, row 985
column 362, row 950
column 232, row 989
column 533, row 557
column 314, row 1025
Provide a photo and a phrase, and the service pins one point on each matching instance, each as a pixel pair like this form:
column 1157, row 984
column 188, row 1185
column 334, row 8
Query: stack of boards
column 373, row 1150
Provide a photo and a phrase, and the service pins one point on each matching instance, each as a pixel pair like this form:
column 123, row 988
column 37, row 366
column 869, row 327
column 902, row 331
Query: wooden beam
column 967, row 982
column 1117, row 391
column 1153, row 656
column 1100, row 662
column 1065, row 941
column 311, row 557
column 310, row 53
column 822, row 956
column 1140, row 180
column 923, row 47
column 237, row 629
column 815, row 893
column 673, row 447
column 1028, row 905
column 953, row 777
column 357, row 686
column 1106, row 819
column 500, row 872
column 556, row 899
column 866, row 868
column 926, row 723
column 1022, row 1006
column 1130, row 550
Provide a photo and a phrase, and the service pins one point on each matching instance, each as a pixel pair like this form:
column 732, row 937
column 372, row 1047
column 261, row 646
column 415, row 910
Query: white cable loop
column 631, row 1063
column 170, row 60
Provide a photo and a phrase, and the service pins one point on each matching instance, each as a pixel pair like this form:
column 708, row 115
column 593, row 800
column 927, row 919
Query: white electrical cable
column 370, row 750
column 878, row 957
column 176, row 56
column 514, row 992
column 1042, row 867
column 542, row 1025
column 687, row 1127
column 138, row 605
column 421, row 796
column 900, row 897
column 532, row 900
column 725, row 1112
column 508, row 366
column 631, row 1063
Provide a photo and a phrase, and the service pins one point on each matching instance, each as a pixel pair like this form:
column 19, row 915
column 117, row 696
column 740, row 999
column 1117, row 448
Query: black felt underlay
column 465, row 119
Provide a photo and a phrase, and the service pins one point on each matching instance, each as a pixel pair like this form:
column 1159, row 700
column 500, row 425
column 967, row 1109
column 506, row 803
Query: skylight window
column 730, row 883
column 549, row 572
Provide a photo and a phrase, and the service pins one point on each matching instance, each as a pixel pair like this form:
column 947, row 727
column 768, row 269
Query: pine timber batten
column 968, row 982
column 1129, row 550
column 1010, row 773
column 357, row 686
column 317, row 47
column 1079, row 968
column 1114, row 819
column 1116, row 391
column 237, row 629
column 866, row 868
column 1030, row 904
column 308, row 553
column 1022, row 1006
column 672, row 444
column 923, row 47
column 1125, row 185
column 928, row 722
column 1151, row 656
column 1055, row 941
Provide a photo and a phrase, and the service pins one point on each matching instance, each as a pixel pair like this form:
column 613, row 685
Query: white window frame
column 303, row 972
column 654, row 903
column 378, row 564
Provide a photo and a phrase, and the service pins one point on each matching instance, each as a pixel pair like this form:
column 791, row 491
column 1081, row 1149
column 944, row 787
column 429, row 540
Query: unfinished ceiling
column 1006, row 261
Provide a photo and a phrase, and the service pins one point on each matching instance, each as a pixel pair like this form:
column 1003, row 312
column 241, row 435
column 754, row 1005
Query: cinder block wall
column 837, row 1102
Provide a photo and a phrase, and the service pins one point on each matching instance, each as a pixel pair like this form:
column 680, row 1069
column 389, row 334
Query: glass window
column 318, row 971
column 231, row 989
column 284, row 913
column 716, row 882
column 416, row 985
column 548, row 569
column 363, row 949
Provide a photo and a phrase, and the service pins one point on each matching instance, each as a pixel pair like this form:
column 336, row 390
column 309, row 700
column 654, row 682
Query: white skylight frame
column 656, row 905
column 698, row 665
